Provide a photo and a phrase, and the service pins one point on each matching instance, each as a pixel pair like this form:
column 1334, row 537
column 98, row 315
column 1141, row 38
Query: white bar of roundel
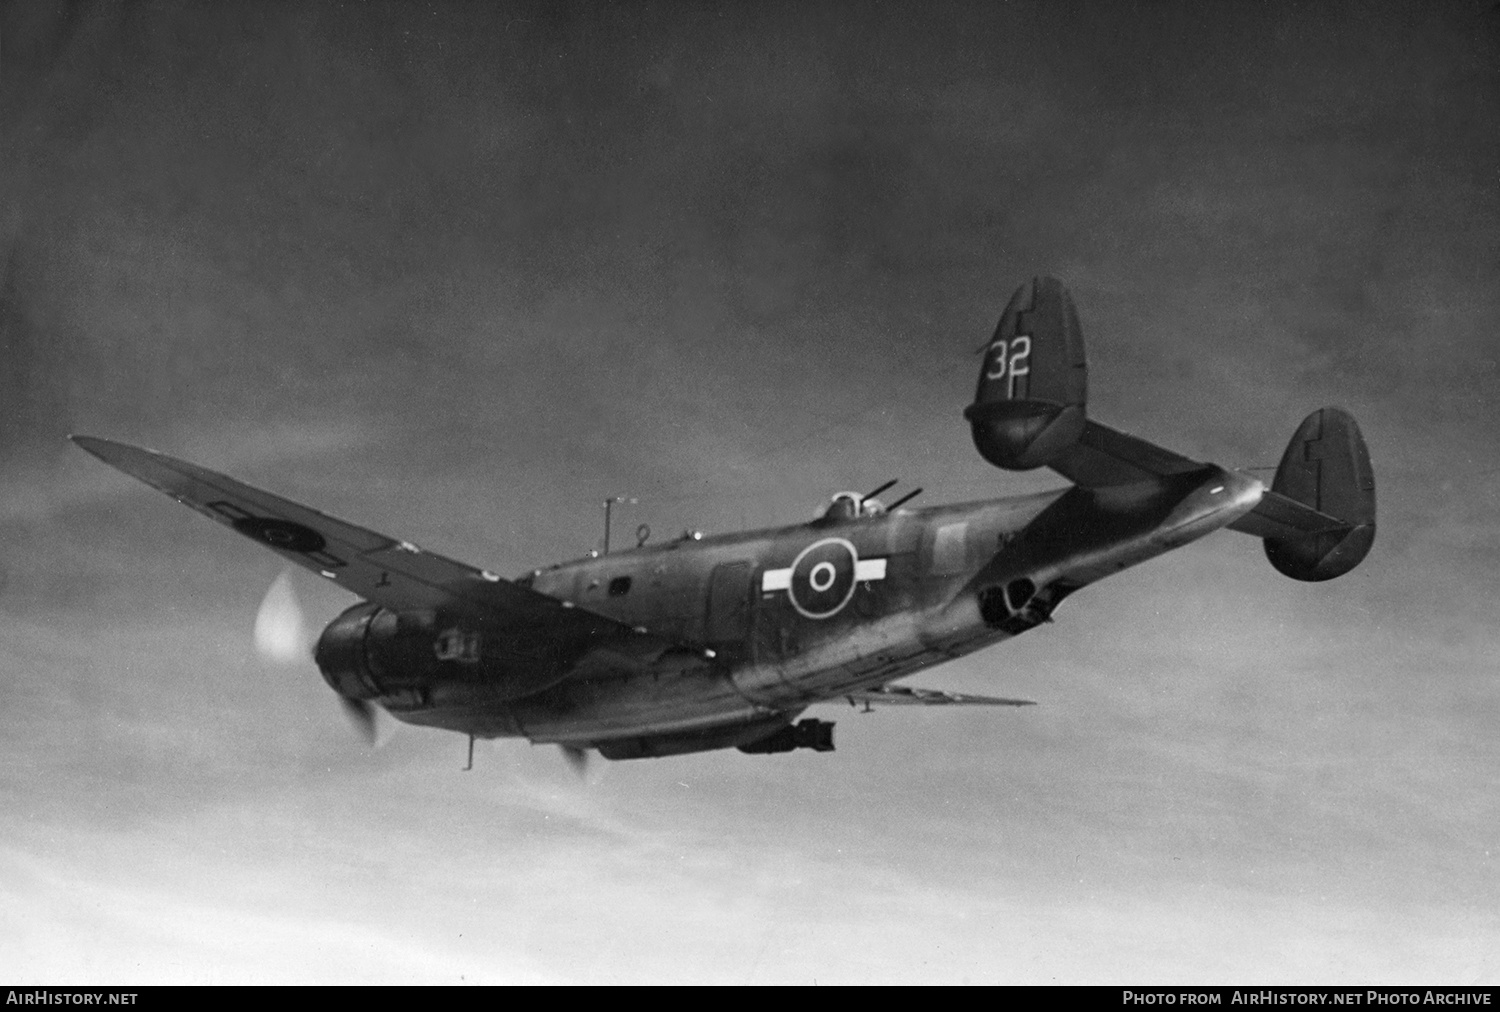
column 781, row 579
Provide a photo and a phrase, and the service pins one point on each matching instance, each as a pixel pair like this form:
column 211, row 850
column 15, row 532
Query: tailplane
column 1031, row 410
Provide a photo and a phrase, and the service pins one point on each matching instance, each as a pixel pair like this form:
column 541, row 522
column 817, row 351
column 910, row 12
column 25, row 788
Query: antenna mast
column 609, row 505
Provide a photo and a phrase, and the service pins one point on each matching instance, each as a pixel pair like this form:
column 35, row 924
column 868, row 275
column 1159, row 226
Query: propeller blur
column 280, row 631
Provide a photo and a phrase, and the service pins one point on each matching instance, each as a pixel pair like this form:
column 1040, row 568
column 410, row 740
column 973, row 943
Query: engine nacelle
column 1031, row 403
column 370, row 652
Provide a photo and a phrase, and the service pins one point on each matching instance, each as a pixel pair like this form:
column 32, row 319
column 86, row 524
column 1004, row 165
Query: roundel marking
column 282, row 534
column 822, row 576
column 822, row 579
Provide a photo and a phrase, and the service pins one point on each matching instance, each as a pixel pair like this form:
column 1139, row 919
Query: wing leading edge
column 389, row 572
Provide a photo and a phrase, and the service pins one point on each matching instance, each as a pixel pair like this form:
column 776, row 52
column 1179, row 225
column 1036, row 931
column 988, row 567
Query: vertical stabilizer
column 1033, row 387
column 1326, row 467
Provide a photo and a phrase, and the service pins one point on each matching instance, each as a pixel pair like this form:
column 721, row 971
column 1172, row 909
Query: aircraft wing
column 907, row 695
column 396, row 574
column 1104, row 457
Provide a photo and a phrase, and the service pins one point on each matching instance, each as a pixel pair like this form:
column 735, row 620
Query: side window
column 619, row 586
column 949, row 551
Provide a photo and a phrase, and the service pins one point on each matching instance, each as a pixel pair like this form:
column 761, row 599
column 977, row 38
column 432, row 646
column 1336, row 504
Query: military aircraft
column 717, row 642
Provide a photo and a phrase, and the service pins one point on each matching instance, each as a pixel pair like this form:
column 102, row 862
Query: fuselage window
column 619, row 586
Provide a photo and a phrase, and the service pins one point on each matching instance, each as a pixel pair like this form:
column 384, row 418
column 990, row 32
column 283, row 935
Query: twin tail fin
column 1030, row 410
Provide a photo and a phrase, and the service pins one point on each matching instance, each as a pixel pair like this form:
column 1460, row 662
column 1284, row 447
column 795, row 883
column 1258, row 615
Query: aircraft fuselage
column 780, row 619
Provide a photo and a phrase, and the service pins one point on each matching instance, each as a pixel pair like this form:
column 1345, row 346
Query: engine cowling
column 371, row 652
column 1031, row 403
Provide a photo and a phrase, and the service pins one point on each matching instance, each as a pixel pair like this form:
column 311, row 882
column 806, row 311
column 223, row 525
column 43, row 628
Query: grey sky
column 459, row 272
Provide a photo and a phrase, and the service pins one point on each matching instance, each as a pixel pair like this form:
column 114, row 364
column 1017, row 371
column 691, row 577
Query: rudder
column 1033, row 387
column 1327, row 467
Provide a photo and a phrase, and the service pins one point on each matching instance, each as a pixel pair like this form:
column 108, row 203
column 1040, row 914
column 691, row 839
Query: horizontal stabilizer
column 906, row 695
column 1277, row 516
column 1104, row 457
column 1031, row 406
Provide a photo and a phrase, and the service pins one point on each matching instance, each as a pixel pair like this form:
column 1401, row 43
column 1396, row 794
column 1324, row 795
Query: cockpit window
column 619, row 586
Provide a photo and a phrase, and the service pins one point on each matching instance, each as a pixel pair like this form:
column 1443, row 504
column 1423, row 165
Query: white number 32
column 1010, row 360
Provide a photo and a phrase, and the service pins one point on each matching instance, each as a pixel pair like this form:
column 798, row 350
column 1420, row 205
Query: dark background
column 458, row 272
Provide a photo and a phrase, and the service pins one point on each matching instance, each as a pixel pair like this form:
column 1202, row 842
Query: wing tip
column 92, row 444
column 111, row 451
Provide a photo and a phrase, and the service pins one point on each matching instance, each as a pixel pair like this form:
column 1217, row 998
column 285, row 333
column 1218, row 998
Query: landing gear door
column 727, row 622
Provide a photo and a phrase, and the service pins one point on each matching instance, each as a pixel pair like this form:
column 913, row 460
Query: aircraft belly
column 657, row 702
column 495, row 721
column 870, row 653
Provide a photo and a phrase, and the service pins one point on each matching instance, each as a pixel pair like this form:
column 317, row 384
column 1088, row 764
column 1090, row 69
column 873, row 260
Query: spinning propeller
column 282, row 638
column 280, row 630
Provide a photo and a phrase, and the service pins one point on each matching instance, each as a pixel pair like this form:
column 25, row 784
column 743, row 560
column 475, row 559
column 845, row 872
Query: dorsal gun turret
column 853, row 506
column 843, row 506
column 1033, row 386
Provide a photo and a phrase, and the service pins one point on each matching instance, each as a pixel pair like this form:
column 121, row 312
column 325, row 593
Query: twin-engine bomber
column 719, row 642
